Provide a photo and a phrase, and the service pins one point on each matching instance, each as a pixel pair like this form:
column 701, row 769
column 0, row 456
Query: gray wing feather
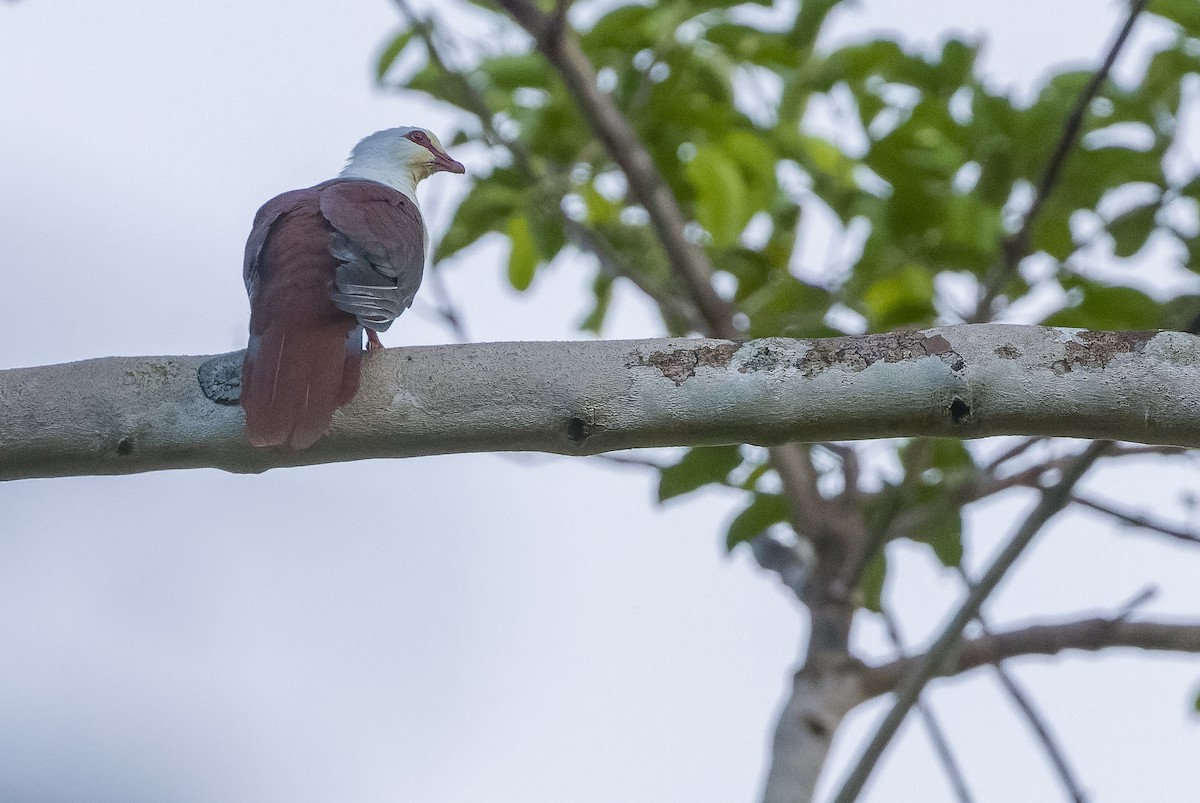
column 371, row 291
column 379, row 242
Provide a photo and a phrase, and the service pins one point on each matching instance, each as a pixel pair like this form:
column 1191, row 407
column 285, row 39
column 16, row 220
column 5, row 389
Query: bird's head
column 394, row 154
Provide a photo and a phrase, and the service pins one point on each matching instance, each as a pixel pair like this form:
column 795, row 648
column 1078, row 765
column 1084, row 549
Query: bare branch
column 941, row 746
column 1024, row 704
column 1016, row 247
column 1018, row 449
column 1126, row 450
column 908, row 689
column 1029, row 477
column 445, row 306
column 1054, row 753
column 126, row 415
column 1046, row 639
column 1136, row 519
column 629, row 460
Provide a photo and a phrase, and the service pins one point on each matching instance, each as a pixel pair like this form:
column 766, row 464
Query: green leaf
column 391, row 52
column 486, row 206
column 630, row 28
column 809, row 22
column 1052, row 231
column 935, row 470
column 902, row 298
column 745, row 43
column 783, row 306
column 699, row 467
column 1184, row 12
column 870, row 585
column 957, row 62
column 855, row 63
column 826, row 157
column 600, row 210
column 721, row 197
column 764, row 511
column 948, row 455
column 755, row 160
column 602, row 288
column 511, row 72
column 1131, row 229
column 548, row 233
column 523, row 258
column 1089, row 174
column 1105, row 307
column 971, row 235
column 1196, row 702
column 944, row 535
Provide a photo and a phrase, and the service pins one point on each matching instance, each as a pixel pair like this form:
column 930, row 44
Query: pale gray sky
column 449, row 629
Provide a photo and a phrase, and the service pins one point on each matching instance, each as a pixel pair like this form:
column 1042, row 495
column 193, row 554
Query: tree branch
column 941, row 745
column 1045, row 639
column 909, row 686
column 1136, row 519
column 561, row 48
column 1016, row 247
column 674, row 309
column 689, row 262
column 124, row 415
column 1054, row 753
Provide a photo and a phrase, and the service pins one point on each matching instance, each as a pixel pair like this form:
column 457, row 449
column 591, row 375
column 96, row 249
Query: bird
column 323, row 265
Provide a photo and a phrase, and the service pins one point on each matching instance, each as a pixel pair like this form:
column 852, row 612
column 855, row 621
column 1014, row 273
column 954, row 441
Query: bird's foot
column 373, row 341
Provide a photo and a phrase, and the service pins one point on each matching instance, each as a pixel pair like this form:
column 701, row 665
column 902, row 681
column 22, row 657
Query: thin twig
column 1054, row 752
column 941, row 745
column 445, row 306
column 1053, row 500
column 1057, row 758
column 628, row 460
column 1016, row 247
column 1136, row 601
column 1127, row 450
column 1136, row 519
column 1018, row 449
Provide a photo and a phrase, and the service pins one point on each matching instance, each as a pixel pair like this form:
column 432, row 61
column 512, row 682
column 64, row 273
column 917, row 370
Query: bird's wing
column 270, row 212
column 379, row 242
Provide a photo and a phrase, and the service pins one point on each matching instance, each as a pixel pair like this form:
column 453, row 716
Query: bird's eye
column 419, row 136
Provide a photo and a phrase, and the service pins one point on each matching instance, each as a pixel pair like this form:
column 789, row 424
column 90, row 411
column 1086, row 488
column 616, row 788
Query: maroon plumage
column 320, row 264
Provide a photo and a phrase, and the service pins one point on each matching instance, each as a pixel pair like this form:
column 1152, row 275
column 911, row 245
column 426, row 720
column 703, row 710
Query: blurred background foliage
column 917, row 171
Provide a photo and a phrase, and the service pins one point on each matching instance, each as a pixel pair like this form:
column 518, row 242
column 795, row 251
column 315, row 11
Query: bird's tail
column 294, row 377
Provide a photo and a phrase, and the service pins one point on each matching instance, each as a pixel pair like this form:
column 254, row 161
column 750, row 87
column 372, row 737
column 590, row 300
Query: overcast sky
column 446, row 629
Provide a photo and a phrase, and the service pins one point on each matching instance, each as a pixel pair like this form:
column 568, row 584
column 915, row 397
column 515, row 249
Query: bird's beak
column 442, row 161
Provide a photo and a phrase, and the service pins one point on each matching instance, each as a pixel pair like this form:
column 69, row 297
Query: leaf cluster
column 915, row 168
